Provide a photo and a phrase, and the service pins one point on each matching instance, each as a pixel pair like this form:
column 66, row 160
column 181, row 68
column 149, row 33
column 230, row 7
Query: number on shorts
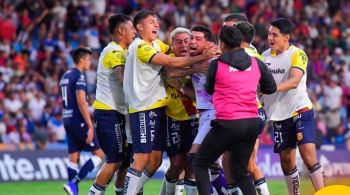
column 278, row 137
column 175, row 137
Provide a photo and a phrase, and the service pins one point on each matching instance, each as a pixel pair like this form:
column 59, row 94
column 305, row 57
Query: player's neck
column 245, row 45
column 120, row 41
column 145, row 39
column 283, row 49
column 79, row 67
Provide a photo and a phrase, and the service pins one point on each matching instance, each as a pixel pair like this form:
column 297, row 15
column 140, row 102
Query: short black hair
column 141, row 15
column 208, row 35
column 236, row 17
column 80, row 53
column 285, row 25
column 115, row 20
column 230, row 36
column 247, row 30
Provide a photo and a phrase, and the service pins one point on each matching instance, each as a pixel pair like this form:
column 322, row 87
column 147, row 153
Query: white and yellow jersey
column 144, row 88
column 109, row 91
column 283, row 105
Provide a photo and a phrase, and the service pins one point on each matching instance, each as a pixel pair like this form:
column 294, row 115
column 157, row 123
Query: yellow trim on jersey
column 164, row 48
column 250, row 51
column 297, row 113
column 114, row 57
column 299, row 60
column 100, row 106
column 158, row 104
column 145, row 52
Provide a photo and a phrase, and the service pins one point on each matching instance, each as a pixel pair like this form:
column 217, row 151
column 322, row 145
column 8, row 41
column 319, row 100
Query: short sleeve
column 81, row 83
column 145, row 52
column 164, row 48
column 113, row 58
column 299, row 60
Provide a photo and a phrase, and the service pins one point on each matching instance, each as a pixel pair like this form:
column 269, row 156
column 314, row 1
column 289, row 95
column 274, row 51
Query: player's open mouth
column 183, row 51
column 154, row 32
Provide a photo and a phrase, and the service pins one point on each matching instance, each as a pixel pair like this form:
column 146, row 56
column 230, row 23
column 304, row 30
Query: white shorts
column 127, row 129
column 204, row 125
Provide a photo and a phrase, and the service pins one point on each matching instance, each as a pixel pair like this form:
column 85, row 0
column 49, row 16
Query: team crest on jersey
column 300, row 136
column 147, row 48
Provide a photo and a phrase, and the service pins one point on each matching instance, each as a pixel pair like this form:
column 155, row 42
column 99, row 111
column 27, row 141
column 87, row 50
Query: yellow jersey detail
column 158, row 104
column 100, row 106
column 299, row 60
column 164, row 48
column 145, row 52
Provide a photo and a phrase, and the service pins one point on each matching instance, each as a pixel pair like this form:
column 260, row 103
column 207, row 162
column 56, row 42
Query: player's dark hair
column 208, row 35
column 285, row 25
column 141, row 15
column 230, row 36
column 236, row 17
column 80, row 53
column 115, row 20
column 247, row 30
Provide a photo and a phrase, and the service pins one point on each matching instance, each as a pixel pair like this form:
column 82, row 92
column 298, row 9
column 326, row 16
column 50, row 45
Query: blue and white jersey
column 70, row 82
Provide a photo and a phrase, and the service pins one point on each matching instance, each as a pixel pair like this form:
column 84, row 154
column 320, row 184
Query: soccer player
column 77, row 121
column 145, row 94
column 290, row 109
column 182, row 123
column 236, row 125
column 110, row 105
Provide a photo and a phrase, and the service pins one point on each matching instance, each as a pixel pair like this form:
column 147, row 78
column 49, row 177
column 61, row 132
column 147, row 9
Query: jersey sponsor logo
column 233, row 69
column 277, row 71
column 67, row 113
column 196, row 78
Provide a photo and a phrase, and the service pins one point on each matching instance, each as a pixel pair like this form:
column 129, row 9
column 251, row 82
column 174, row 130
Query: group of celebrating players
column 200, row 103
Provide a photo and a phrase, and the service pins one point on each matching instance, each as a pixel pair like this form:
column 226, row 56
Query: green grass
column 151, row 188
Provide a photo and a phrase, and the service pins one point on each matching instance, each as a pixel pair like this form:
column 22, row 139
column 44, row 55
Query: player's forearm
column 287, row 85
column 185, row 61
column 83, row 108
column 119, row 73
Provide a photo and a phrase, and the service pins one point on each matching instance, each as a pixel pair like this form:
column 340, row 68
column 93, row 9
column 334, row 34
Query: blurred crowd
column 37, row 36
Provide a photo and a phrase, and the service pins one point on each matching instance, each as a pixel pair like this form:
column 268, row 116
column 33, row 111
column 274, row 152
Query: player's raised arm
column 165, row 60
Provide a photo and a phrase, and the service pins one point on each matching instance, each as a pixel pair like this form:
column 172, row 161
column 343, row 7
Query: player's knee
column 287, row 163
column 99, row 153
column 153, row 165
column 176, row 165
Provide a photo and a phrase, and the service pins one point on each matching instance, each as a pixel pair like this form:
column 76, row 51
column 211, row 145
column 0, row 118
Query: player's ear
column 121, row 30
column 139, row 26
column 288, row 36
